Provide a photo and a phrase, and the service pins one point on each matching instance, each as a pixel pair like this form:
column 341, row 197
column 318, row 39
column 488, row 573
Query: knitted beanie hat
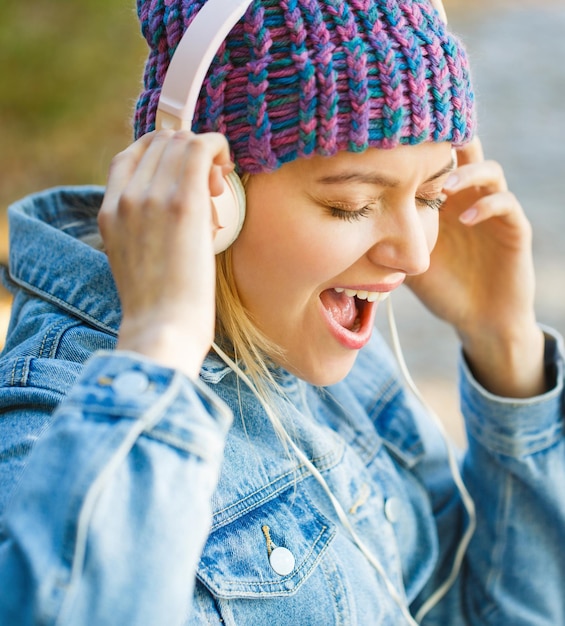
column 295, row 78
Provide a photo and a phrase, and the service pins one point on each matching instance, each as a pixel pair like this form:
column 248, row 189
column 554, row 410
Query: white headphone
column 179, row 94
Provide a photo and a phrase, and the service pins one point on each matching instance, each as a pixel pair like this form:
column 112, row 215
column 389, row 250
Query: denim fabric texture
column 131, row 495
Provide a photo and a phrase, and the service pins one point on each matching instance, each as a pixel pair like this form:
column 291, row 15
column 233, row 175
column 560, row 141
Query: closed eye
column 348, row 215
column 432, row 203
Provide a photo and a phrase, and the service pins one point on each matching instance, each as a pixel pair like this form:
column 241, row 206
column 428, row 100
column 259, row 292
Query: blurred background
column 72, row 71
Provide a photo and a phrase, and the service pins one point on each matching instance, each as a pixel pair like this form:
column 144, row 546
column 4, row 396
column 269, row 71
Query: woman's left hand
column 481, row 279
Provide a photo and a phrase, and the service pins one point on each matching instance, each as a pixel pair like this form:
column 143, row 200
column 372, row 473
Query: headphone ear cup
column 230, row 212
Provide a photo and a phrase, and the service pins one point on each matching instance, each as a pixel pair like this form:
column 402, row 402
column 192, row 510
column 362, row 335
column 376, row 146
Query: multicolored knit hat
column 296, row 78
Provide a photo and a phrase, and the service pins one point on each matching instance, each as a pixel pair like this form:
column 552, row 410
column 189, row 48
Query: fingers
column 471, row 152
column 166, row 169
column 488, row 176
column 207, row 157
column 217, row 174
column 123, row 167
column 503, row 204
column 480, row 191
column 158, row 170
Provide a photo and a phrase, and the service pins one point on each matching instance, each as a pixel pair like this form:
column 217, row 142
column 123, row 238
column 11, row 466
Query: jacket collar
column 48, row 259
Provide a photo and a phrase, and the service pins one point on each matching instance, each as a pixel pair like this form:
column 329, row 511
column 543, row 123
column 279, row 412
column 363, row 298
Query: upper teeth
column 370, row 296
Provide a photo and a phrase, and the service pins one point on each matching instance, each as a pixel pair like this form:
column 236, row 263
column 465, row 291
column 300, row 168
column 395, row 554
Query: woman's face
column 326, row 238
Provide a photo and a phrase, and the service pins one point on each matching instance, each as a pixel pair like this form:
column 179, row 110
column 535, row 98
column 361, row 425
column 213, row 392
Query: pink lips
column 379, row 287
column 353, row 340
column 359, row 333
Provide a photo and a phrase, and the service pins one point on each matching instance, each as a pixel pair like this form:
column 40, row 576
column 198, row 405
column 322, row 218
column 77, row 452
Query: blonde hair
column 236, row 332
column 249, row 353
column 241, row 340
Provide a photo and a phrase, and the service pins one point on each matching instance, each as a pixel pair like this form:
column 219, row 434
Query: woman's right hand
column 157, row 224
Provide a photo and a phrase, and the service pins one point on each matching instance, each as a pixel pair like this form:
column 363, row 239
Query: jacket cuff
column 517, row 427
column 176, row 410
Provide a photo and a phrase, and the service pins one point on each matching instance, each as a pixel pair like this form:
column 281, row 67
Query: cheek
column 266, row 255
column 431, row 228
column 279, row 256
column 282, row 241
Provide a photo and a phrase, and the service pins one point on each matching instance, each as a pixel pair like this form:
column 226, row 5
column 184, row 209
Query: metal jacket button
column 130, row 383
column 282, row 561
column 393, row 509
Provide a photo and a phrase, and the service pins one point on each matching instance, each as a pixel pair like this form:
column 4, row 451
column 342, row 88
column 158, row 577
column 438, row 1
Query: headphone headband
column 192, row 58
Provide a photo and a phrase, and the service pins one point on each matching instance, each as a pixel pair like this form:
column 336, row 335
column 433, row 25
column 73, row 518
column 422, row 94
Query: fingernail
column 451, row 182
column 468, row 216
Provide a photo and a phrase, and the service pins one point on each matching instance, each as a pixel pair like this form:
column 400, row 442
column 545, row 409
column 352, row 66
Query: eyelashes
column 349, row 215
column 432, row 203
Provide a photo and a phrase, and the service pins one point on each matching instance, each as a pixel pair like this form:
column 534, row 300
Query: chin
column 326, row 373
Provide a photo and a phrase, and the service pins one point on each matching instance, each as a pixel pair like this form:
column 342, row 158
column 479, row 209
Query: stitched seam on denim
column 525, row 446
column 44, row 341
column 365, row 453
column 56, row 335
column 23, row 362
column 296, row 474
column 66, row 306
column 496, row 567
column 180, row 444
column 331, row 573
column 19, row 378
column 389, row 392
column 296, row 573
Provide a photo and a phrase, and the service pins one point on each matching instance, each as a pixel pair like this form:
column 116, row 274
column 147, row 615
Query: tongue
column 340, row 307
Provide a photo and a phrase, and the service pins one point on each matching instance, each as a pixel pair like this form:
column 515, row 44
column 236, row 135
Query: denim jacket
column 131, row 495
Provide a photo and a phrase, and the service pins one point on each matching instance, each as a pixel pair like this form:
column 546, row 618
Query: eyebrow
column 379, row 180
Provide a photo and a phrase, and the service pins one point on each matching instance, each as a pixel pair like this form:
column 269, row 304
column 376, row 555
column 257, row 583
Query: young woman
column 191, row 440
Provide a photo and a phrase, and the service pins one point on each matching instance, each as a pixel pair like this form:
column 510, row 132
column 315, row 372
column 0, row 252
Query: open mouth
column 350, row 314
column 348, row 308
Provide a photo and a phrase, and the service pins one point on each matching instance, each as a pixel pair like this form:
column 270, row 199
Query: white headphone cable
column 342, row 515
column 468, row 503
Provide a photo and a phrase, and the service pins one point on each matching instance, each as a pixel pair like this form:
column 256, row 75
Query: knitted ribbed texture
column 301, row 77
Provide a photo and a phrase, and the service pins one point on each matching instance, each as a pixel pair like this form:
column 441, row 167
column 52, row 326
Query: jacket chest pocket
column 268, row 551
column 275, row 564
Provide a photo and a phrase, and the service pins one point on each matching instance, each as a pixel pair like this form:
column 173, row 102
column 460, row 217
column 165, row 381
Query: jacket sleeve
column 514, row 469
column 112, row 510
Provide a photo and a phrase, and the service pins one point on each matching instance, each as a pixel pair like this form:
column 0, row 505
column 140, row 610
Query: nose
column 405, row 236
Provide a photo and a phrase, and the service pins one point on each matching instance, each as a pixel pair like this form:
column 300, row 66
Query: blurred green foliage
column 71, row 71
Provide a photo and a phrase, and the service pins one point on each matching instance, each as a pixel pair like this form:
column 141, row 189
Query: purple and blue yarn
column 297, row 78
